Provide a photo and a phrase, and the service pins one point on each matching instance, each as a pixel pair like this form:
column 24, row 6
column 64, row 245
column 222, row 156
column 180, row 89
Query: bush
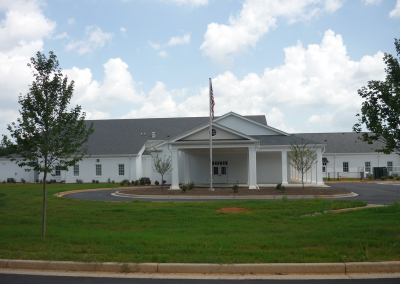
column 63, row 181
column 37, row 180
column 390, row 177
column 156, row 182
column 125, row 181
column 398, row 178
column 79, row 181
column 10, row 180
column 184, row 187
column 383, row 177
column 93, row 181
column 48, row 181
column 164, row 181
column 278, row 186
column 148, row 182
column 370, row 177
column 235, row 188
column 53, row 181
column 136, row 182
column 113, row 181
column 142, row 181
column 109, row 180
column 284, row 197
column 97, row 181
column 23, row 180
column 191, row 185
column 283, row 188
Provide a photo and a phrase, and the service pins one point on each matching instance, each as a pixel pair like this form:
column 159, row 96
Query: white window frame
column 76, row 170
column 345, row 167
column 367, row 169
column 389, row 168
column 57, row 171
column 98, row 166
column 121, row 167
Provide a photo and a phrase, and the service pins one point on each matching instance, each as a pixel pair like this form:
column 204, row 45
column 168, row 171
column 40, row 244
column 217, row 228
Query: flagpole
column 211, row 167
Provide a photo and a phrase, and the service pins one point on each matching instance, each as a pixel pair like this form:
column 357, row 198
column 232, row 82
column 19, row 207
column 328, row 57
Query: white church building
column 246, row 151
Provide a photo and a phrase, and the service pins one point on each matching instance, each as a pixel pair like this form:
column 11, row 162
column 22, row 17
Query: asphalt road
column 40, row 279
column 371, row 193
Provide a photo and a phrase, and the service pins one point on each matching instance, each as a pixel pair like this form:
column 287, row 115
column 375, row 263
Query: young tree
column 380, row 112
column 162, row 166
column 48, row 135
column 302, row 158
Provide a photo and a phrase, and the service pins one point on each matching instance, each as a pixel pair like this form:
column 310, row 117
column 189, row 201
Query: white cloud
column 97, row 115
column 118, row 86
column 61, row 36
column 123, row 31
column 189, row 2
column 153, row 45
column 223, row 42
column 179, row 40
column 395, row 13
column 71, row 21
column 163, row 53
column 372, row 2
column 95, row 38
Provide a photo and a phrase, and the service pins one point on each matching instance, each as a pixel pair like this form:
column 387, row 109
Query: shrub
column 109, row 180
column 40, row 181
column 191, row 185
column 278, row 186
column 148, row 182
column 93, row 181
column 164, row 181
column 79, row 181
column 10, row 180
column 48, row 181
column 184, row 187
column 284, row 197
column 23, row 180
column 53, row 181
column 37, row 180
column 113, row 181
column 370, row 177
column 383, row 177
column 156, row 182
column 97, row 181
column 125, row 181
column 63, row 181
column 283, row 188
column 235, row 188
column 136, row 182
column 398, row 178
column 142, row 181
column 390, row 177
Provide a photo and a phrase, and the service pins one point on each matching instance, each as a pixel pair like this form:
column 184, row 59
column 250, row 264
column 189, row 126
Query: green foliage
column 162, row 166
column 390, row 177
column 235, row 188
column 380, row 110
column 142, row 181
column 302, row 158
column 23, row 180
column 136, row 182
column 93, row 181
column 184, row 187
column 11, row 180
column 398, row 178
column 125, row 181
column 164, row 182
column 109, row 180
column 79, row 181
column 62, row 181
column 283, row 188
column 191, row 185
column 284, row 197
column 278, row 186
column 156, row 182
column 383, row 177
column 370, row 177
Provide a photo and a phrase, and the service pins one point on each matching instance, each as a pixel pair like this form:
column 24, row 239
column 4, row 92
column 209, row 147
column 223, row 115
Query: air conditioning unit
column 97, row 160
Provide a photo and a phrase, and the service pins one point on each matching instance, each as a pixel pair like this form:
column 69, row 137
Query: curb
column 119, row 194
column 246, row 268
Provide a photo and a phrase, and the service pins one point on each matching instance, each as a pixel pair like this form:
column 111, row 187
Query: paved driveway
column 369, row 192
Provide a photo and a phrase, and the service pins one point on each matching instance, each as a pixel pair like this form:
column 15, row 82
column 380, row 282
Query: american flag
column 212, row 101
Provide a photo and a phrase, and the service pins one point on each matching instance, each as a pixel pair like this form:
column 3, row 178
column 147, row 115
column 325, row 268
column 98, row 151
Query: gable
column 247, row 127
column 221, row 135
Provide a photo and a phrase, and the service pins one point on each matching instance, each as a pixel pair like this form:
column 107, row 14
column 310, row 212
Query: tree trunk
column 302, row 179
column 44, row 205
column 162, row 183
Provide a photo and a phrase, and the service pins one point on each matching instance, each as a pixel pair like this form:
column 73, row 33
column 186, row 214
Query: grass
column 190, row 232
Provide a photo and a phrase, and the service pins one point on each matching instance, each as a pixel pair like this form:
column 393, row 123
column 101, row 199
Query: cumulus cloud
column 61, row 36
column 153, row 45
column 95, row 38
column 179, row 40
column 189, row 2
column 223, row 42
column 123, row 31
column 163, row 53
column 71, row 21
column 373, row 2
column 395, row 13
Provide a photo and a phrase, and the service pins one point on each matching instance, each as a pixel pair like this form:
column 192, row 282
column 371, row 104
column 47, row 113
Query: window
column 76, row 170
column 323, row 167
column 121, row 170
column 345, row 167
column 213, row 132
column 58, row 171
column 367, row 167
column 390, row 166
column 215, row 170
column 98, row 170
column 223, row 170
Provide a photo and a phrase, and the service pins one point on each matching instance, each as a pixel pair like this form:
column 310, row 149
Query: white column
column 139, row 171
column 187, row 168
column 175, row 170
column 252, row 169
column 284, row 168
column 320, row 179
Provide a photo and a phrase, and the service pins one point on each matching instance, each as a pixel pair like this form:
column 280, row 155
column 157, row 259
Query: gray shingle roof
column 343, row 142
column 127, row 136
column 281, row 140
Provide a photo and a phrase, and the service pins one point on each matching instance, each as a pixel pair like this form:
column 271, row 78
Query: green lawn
column 97, row 231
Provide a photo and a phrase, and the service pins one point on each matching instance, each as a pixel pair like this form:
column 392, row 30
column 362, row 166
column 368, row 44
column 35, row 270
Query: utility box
column 379, row 172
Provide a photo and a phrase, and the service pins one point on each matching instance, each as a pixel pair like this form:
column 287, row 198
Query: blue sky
column 299, row 62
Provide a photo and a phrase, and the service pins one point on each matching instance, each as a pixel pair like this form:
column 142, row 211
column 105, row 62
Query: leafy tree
column 302, row 158
column 4, row 150
column 48, row 135
column 162, row 166
column 380, row 112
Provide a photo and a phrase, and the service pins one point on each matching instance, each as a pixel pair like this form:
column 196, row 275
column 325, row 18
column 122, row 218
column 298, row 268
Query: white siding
column 10, row 169
column 269, row 167
column 245, row 126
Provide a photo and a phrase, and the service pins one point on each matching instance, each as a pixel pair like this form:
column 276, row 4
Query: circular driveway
column 372, row 193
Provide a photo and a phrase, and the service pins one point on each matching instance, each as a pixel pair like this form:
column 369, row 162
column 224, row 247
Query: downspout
column 130, row 168
column 334, row 166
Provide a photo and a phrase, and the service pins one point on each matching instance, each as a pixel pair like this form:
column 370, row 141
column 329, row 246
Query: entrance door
column 220, row 172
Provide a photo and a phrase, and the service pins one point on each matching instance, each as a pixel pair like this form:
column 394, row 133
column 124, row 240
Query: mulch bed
column 242, row 191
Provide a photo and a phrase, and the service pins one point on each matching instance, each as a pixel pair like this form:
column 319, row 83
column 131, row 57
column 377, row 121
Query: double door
column 220, row 171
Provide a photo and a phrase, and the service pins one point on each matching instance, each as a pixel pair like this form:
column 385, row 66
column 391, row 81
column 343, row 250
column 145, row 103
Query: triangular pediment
column 221, row 134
